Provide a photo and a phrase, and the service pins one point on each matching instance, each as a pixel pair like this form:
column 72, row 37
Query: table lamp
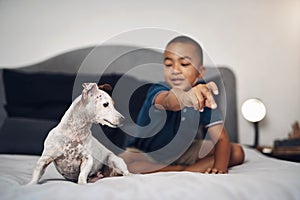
column 254, row 111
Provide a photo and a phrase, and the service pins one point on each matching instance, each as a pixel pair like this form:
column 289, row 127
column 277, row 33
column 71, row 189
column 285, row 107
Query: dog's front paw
column 127, row 173
column 82, row 181
column 30, row 183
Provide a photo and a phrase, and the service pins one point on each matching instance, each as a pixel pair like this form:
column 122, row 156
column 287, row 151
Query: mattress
column 260, row 177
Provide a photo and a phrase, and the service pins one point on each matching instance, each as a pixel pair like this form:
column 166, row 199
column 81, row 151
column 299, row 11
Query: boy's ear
column 201, row 70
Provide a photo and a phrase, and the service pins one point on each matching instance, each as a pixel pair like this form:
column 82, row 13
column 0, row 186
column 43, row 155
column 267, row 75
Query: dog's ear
column 105, row 87
column 87, row 87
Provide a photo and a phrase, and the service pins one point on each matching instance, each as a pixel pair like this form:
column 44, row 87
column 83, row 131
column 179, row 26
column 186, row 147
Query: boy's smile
column 177, row 81
column 182, row 65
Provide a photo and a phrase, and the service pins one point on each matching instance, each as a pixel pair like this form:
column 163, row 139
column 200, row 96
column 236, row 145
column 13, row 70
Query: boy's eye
column 168, row 64
column 185, row 64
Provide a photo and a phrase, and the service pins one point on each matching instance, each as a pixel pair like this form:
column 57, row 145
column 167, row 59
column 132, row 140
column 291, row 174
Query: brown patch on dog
column 105, row 87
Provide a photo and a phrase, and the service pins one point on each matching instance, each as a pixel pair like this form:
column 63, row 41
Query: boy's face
column 182, row 65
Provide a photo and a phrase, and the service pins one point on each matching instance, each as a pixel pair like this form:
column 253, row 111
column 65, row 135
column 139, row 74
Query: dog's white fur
column 76, row 154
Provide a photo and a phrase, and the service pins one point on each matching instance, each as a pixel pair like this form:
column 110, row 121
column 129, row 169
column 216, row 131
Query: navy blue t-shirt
column 158, row 128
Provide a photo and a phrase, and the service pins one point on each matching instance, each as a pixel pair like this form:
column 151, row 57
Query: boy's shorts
column 189, row 157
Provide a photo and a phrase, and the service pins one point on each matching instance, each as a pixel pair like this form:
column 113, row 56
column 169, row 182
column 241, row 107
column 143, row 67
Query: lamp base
column 250, row 146
column 256, row 136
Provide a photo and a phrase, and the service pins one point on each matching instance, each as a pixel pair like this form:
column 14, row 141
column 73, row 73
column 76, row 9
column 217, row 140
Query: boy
column 171, row 116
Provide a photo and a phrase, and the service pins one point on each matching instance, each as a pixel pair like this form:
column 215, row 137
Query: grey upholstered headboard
column 121, row 60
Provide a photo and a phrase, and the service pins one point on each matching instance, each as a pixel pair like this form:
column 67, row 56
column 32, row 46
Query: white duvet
column 260, row 177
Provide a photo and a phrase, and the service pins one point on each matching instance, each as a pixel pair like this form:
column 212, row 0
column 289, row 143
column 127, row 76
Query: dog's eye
column 105, row 105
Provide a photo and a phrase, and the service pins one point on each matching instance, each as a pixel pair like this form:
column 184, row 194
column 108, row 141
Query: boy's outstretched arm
column 198, row 97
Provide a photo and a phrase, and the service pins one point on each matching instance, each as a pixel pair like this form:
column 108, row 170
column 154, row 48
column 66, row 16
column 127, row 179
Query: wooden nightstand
column 283, row 153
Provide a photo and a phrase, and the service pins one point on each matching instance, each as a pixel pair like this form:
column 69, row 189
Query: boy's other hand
column 215, row 171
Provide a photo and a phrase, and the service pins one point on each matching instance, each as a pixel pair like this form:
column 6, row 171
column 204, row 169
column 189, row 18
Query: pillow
column 37, row 95
column 49, row 111
column 27, row 89
column 24, row 136
column 45, row 95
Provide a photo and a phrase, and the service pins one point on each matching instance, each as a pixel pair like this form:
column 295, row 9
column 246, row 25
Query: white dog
column 76, row 154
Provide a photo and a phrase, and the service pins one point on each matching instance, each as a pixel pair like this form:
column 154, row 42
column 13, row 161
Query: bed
column 33, row 99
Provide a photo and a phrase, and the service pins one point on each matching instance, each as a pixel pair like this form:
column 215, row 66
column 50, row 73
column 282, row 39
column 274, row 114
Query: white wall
column 258, row 39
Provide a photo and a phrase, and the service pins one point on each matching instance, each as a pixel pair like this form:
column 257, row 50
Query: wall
column 258, row 39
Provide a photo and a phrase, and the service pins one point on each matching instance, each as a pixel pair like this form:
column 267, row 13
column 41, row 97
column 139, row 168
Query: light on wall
column 254, row 111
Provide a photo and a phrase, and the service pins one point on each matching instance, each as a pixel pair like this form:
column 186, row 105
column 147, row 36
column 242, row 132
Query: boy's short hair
column 185, row 39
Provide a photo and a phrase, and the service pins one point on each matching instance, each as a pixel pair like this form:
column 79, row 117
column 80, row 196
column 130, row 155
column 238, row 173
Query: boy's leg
column 190, row 156
column 132, row 155
column 198, row 157
column 139, row 162
column 236, row 157
column 236, row 153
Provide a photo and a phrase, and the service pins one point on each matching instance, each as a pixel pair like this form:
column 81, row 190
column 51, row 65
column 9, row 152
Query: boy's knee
column 238, row 154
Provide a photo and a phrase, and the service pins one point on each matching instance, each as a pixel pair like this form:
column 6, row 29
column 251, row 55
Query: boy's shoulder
column 159, row 86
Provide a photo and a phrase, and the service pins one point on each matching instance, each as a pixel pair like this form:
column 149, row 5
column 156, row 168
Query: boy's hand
column 198, row 97
column 215, row 171
column 204, row 95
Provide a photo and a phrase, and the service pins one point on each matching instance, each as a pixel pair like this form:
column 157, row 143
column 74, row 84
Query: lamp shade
column 253, row 110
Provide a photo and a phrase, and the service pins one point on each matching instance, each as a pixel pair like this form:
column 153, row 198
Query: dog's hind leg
column 85, row 169
column 95, row 177
column 40, row 168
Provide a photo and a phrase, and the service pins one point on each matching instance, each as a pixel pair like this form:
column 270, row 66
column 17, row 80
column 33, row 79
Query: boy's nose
column 174, row 72
column 176, row 69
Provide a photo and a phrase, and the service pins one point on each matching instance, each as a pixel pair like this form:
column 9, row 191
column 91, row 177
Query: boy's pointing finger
column 213, row 87
column 210, row 101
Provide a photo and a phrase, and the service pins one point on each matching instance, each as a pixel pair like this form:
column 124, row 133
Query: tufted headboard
column 34, row 98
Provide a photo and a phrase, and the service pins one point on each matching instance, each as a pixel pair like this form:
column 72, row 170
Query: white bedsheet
column 260, row 177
